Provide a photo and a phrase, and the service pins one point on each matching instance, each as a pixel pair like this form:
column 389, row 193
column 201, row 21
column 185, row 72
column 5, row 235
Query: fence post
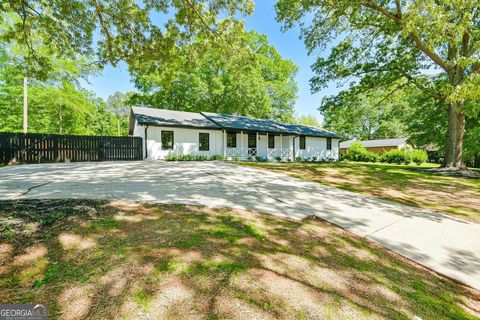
column 100, row 147
column 32, row 147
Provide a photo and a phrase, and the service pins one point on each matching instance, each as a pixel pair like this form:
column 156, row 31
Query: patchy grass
column 101, row 260
column 398, row 183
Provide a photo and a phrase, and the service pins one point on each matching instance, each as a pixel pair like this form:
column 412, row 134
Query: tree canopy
column 308, row 120
column 377, row 114
column 110, row 31
column 58, row 105
column 432, row 44
column 250, row 79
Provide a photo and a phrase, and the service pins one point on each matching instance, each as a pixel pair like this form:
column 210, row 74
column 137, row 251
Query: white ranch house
column 167, row 132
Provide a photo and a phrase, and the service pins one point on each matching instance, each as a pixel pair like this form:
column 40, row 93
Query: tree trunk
column 455, row 131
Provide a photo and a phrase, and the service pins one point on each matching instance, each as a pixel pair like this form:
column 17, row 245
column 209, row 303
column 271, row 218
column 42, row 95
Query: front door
column 262, row 144
column 252, row 144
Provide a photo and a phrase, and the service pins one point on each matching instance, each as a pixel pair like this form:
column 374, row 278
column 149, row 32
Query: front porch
column 250, row 145
column 246, row 153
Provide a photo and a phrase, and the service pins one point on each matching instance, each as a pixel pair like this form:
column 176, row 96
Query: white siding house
column 167, row 132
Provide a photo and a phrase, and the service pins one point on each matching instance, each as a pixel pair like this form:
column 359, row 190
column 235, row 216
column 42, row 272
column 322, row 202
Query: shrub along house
column 167, row 132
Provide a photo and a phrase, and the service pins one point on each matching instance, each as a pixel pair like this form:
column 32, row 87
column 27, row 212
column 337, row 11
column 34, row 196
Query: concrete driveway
column 442, row 243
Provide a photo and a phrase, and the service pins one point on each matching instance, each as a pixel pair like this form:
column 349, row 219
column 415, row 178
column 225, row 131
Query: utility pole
column 25, row 105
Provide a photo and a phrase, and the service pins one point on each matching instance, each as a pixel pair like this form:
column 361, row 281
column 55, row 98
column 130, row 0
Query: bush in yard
column 191, row 157
column 397, row 156
column 357, row 152
column 278, row 158
column 171, row 157
column 298, row 159
column 258, row 158
column 419, row 156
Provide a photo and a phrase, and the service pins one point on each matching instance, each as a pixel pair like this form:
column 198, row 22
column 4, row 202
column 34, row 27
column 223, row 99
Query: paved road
column 444, row 244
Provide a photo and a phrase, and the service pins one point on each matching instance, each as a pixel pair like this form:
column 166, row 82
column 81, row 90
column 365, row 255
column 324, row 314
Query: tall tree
column 376, row 114
column 308, row 120
column 58, row 105
column 378, row 42
column 250, row 78
column 122, row 29
column 118, row 106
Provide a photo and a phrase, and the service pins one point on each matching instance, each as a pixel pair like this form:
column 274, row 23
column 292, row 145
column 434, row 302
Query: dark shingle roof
column 310, row 131
column 161, row 117
column 229, row 121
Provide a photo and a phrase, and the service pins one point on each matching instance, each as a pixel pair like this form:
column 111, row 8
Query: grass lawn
column 399, row 183
column 99, row 260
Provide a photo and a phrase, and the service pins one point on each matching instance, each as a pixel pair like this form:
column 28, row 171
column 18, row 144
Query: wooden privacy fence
column 34, row 147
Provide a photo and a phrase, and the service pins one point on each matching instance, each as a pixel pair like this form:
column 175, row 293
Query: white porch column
column 241, row 145
column 224, row 138
column 267, row 145
column 281, row 146
column 256, row 143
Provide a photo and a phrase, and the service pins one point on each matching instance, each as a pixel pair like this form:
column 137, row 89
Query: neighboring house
column 174, row 132
column 378, row 146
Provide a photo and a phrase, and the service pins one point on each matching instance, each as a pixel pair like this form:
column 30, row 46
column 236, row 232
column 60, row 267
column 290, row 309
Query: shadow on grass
column 99, row 260
column 402, row 184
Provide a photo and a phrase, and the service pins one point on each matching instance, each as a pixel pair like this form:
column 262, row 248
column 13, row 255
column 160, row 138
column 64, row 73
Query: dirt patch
column 190, row 262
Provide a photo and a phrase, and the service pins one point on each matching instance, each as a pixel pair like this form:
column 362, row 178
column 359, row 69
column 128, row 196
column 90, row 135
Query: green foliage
column 298, row 159
column 117, row 104
column 110, row 30
column 308, row 120
column 398, row 156
column 217, row 157
column 192, row 157
column 52, row 273
column 253, row 80
column 375, row 114
column 59, row 105
column 419, row 156
column 432, row 45
column 278, row 158
column 357, row 152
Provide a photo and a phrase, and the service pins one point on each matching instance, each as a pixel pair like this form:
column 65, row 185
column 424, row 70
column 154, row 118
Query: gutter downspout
column 146, row 144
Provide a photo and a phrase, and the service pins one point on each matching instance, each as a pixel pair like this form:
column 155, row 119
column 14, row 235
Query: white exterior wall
column 139, row 131
column 185, row 141
column 317, row 147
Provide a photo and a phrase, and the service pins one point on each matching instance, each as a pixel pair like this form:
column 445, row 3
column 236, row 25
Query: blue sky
column 263, row 20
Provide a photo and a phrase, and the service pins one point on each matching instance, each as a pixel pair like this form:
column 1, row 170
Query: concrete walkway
column 444, row 244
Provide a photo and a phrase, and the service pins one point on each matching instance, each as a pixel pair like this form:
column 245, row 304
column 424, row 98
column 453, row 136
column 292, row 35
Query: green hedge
column 357, row 152
column 191, row 157
column 419, row 156
column 405, row 156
